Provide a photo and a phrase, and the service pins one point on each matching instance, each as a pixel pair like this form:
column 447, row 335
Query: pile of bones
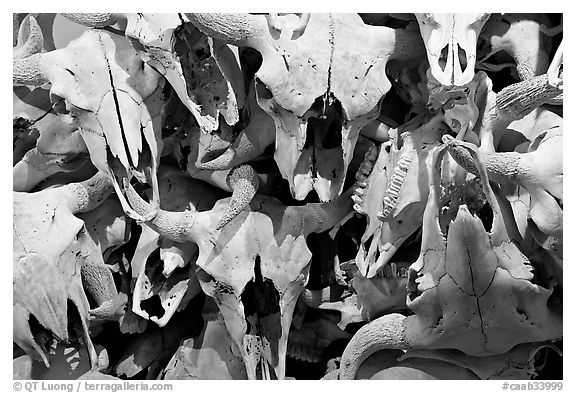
column 288, row 196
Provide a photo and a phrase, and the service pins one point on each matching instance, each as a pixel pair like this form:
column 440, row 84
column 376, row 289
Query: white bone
column 455, row 31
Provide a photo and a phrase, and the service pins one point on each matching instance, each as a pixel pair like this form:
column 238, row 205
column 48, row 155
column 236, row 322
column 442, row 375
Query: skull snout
column 453, row 62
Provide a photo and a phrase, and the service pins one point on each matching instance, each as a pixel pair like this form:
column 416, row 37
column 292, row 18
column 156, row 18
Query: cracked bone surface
column 539, row 171
column 177, row 50
column 288, row 195
column 450, row 41
column 51, row 252
column 469, row 290
column 254, row 268
column 115, row 101
column 252, row 140
column 169, row 274
column 392, row 189
column 305, row 84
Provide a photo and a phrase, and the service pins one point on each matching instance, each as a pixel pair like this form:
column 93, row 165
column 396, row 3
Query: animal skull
column 204, row 73
column 305, row 84
column 261, row 250
column 54, row 260
column 170, row 274
column 450, row 41
column 395, row 191
column 470, row 290
column 100, row 76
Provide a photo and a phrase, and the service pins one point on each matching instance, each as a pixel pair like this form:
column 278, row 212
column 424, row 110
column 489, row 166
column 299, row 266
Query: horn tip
column 242, row 172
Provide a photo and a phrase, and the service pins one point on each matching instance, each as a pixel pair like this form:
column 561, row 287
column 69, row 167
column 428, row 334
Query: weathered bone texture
column 519, row 363
column 308, row 342
column 243, row 181
column 163, row 37
column 539, row 171
column 58, row 144
column 204, row 73
column 263, row 245
column 198, row 149
column 30, row 39
column 148, row 353
column 521, row 98
column 457, row 287
column 50, row 252
column 252, row 140
column 171, row 278
column 115, row 101
column 451, row 33
column 322, row 94
column 94, row 20
column 521, row 37
column 36, row 167
column 208, row 355
column 353, row 196
column 394, row 189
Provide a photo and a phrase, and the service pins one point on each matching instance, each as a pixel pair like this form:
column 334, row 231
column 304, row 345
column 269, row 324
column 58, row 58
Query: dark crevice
column 331, row 28
column 325, row 132
column 443, row 59
column 462, row 58
column 260, row 296
column 323, row 252
column 185, row 152
column 119, row 114
column 153, row 306
column 250, row 62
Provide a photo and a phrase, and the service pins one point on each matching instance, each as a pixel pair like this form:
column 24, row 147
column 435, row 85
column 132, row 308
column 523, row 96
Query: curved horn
column 93, row 20
column 89, row 194
column 519, row 99
column 30, row 38
column 502, row 167
column 28, row 71
column 243, row 181
column 386, row 332
column 16, row 21
column 235, row 29
column 177, row 226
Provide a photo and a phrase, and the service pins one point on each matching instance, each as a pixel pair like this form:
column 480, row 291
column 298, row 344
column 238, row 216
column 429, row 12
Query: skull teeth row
column 362, row 176
column 302, row 353
column 392, row 193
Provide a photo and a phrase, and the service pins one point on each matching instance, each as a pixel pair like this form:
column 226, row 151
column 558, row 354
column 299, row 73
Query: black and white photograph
column 287, row 196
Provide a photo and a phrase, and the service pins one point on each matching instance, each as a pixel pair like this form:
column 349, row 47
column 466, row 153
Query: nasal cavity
column 260, row 295
column 462, row 58
column 443, row 59
column 325, row 130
